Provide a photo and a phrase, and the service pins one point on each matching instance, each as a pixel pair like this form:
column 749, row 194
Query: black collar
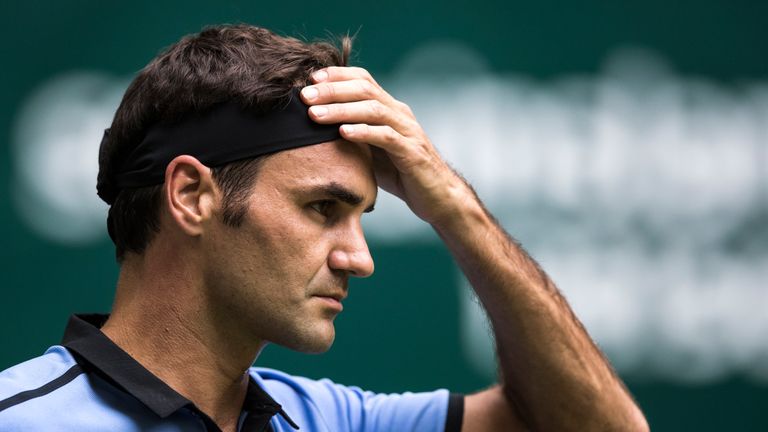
column 94, row 350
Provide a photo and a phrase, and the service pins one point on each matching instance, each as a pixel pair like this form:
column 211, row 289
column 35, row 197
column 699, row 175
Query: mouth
column 338, row 296
column 332, row 300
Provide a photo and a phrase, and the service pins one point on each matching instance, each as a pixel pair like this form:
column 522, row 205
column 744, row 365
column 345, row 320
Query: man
column 237, row 167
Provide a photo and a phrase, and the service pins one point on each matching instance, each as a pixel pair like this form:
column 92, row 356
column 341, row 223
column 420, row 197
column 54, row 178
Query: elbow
column 638, row 421
column 628, row 417
column 632, row 421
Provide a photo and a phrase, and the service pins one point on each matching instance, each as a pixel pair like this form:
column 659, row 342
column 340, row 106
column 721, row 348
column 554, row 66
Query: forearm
column 551, row 371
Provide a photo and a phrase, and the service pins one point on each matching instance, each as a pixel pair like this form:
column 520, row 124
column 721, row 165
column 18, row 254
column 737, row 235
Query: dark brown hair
column 250, row 66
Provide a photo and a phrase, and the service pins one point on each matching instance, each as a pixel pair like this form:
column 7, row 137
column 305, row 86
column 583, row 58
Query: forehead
column 339, row 161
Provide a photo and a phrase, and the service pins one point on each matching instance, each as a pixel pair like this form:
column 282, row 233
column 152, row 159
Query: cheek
column 287, row 239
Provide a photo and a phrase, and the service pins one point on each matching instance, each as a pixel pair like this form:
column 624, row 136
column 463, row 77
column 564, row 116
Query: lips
column 334, row 291
column 331, row 301
column 338, row 296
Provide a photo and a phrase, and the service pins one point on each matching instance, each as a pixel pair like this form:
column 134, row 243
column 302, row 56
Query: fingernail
column 320, row 75
column 318, row 111
column 309, row 93
column 348, row 129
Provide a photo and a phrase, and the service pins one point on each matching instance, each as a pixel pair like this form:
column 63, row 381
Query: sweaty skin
column 552, row 376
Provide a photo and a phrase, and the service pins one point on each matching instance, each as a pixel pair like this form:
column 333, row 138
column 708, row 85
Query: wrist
column 462, row 211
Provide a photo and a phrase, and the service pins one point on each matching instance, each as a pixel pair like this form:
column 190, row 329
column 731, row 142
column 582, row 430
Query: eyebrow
column 341, row 193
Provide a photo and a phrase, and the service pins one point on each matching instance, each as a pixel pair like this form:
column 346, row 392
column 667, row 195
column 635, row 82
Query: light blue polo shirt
column 90, row 384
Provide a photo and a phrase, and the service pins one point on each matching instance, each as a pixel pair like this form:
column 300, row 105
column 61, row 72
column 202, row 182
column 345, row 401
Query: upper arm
column 490, row 410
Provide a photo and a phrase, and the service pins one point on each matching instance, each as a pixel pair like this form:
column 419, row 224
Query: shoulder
column 53, row 392
column 325, row 405
column 56, row 364
column 25, row 385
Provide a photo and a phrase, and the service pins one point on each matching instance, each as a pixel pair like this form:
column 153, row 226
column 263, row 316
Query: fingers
column 347, row 84
column 371, row 112
column 343, row 91
column 383, row 137
column 368, row 114
column 342, row 73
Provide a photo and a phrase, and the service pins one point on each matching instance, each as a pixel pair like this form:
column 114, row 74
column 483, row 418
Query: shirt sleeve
column 325, row 405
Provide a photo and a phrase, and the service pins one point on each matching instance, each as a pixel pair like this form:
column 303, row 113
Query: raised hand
column 406, row 163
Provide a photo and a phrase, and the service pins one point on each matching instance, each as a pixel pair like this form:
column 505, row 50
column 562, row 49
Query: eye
column 324, row 207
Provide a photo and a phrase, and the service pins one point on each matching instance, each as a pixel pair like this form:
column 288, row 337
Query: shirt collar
column 93, row 349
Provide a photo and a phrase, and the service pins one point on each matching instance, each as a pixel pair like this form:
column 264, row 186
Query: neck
column 159, row 319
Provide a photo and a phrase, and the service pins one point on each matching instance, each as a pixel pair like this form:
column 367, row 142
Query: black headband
column 225, row 134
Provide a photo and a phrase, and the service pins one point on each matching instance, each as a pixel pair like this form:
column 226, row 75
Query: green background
column 385, row 340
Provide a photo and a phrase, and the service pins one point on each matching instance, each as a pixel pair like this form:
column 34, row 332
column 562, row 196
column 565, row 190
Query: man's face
column 280, row 276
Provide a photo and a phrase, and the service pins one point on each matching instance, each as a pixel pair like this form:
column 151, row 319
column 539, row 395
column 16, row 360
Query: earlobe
column 189, row 194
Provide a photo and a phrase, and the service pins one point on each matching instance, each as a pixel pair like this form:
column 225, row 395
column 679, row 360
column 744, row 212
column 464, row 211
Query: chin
column 316, row 341
column 316, row 349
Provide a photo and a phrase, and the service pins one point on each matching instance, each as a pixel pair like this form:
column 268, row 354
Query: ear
column 190, row 194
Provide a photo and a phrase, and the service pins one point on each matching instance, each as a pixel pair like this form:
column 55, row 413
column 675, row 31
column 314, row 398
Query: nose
column 351, row 253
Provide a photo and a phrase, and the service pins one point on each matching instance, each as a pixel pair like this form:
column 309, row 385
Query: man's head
column 248, row 66
column 284, row 271
column 273, row 238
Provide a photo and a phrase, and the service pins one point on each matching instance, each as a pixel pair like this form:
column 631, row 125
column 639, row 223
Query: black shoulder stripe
column 43, row 390
column 455, row 413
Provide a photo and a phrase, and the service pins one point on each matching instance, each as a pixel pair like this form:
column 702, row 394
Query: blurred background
column 625, row 144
